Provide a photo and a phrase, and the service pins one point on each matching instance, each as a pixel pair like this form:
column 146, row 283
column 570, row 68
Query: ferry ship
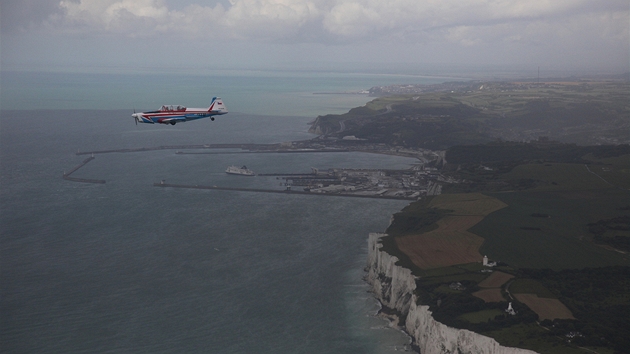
column 243, row 171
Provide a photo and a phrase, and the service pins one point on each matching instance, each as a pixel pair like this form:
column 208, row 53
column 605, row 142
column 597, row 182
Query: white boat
column 243, row 171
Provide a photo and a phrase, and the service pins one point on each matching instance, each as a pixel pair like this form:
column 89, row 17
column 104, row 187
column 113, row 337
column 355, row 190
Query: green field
column 440, row 272
column 615, row 170
column 563, row 240
column 530, row 286
column 481, row 316
column 558, row 176
column 447, row 279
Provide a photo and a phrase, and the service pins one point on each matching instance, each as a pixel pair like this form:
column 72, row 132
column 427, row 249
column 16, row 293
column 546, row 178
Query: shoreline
column 392, row 317
column 395, row 322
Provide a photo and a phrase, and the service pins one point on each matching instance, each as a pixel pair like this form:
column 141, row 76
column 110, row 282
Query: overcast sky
column 170, row 34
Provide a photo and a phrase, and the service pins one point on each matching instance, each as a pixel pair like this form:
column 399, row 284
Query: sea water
column 306, row 94
column 125, row 267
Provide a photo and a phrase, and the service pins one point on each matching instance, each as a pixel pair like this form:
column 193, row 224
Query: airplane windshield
column 170, row 108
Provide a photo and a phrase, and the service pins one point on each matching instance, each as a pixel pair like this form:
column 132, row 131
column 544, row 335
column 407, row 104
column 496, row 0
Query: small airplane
column 171, row 114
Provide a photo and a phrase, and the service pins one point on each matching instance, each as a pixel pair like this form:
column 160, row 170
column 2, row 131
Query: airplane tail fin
column 217, row 106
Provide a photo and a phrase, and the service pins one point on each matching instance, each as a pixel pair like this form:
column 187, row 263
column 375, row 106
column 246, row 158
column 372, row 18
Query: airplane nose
column 135, row 115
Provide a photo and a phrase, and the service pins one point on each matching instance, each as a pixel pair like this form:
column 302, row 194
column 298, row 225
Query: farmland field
column 472, row 277
column 615, row 170
column 450, row 243
column 490, row 295
column 491, row 287
column 496, row 280
column 467, row 204
column 560, row 241
column 559, row 176
column 481, row 316
column 545, row 308
column 439, row 248
column 530, row 286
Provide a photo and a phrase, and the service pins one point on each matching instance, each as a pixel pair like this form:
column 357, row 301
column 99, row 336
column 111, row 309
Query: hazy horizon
column 402, row 36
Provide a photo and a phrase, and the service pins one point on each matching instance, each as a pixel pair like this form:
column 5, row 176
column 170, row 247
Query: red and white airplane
column 170, row 114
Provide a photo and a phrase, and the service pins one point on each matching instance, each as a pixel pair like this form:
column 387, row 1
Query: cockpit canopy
column 172, row 108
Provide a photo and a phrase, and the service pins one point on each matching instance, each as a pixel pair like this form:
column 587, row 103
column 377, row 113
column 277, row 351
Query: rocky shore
column 394, row 287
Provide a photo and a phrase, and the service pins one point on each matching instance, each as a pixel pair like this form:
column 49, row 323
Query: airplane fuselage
column 172, row 114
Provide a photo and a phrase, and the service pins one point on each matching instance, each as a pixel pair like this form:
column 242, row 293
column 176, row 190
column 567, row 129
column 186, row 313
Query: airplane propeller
column 135, row 117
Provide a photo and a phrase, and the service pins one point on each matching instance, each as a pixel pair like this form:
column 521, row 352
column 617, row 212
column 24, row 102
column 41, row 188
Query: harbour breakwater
column 248, row 149
column 286, row 191
column 66, row 175
column 394, row 287
column 354, row 183
column 182, row 147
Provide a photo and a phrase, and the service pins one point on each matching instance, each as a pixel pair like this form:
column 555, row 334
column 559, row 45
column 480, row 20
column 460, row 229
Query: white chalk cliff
column 394, row 286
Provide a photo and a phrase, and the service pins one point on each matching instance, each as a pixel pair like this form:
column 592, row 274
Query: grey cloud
column 532, row 31
column 20, row 15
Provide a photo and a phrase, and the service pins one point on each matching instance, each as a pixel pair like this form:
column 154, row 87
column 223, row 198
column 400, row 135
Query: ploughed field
column 545, row 308
column 450, row 244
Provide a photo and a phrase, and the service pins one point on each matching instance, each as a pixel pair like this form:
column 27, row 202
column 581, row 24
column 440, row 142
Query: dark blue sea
column 126, row 267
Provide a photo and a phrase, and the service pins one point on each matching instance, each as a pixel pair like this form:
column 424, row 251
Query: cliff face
column 315, row 128
column 394, row 286
column 320, row 127
column 329, row 124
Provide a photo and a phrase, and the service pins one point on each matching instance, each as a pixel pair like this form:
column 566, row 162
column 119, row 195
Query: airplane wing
column 172, row 120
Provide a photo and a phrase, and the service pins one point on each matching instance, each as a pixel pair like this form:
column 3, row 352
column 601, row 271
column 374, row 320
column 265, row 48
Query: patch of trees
column 416, row 218
column 604, row 151
column 409, row 132
column 477, row 179
column 481, row 166
column 553, row 115
column 608, row 232
column 405, row 126
column 455, row 109
column 598, row 297
column 500, row 151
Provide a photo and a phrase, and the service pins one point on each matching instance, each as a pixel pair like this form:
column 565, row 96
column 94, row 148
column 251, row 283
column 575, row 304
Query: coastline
column 396, row 322
column 394, row 286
